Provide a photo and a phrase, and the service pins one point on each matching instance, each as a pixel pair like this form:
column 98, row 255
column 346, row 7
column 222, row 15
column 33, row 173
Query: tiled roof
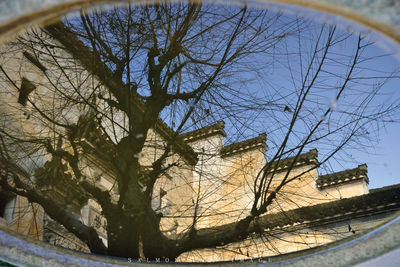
column 386, row 200
column 346, row 176
column 216, row 128
column 179, row 145
column 376, row 201
column 309, row 157
column 256, row 142
column 384, row 188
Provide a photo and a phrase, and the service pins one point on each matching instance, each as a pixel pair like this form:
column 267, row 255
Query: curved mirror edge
column 21, row 251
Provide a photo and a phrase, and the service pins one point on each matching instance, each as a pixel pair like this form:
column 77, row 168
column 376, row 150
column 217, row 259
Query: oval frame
column 379, row 246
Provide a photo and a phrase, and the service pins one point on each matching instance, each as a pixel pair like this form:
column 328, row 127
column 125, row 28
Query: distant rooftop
column 332, row 179
column 309, row 157
column 239, row 147
column 216, row 128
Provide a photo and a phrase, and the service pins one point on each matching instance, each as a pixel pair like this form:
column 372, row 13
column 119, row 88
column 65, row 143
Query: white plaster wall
column 241, row 170
column 208, row 177
column 347, row 190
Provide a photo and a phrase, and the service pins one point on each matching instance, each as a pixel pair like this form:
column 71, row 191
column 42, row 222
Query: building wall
column 216, row 191
column 289, row 239
column 208, row 179
column 24, row 217
column 225, row 185
column 347, row 190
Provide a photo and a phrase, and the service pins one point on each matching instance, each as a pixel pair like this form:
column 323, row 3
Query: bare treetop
column 128, row 107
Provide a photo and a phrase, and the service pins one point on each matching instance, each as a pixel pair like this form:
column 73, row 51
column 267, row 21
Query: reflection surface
column 195, row 132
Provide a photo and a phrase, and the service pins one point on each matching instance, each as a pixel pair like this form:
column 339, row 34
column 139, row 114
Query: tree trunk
column 123, row 237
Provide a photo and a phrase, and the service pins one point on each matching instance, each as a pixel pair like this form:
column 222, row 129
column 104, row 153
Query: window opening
column 27, row 87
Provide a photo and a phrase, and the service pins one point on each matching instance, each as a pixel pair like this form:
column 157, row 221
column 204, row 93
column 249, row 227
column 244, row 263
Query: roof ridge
column 209, row 130
column 180, row 145
column 384, row 199
column 388, row 187
column 341, row 177
column 244, row 145
column 302, row 159
column 357, row 206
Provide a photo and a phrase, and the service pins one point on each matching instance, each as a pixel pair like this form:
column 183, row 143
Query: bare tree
column 120, row 87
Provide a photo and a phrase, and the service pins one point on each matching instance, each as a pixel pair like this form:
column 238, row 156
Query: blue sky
column 381, row 150
column 273, row 87
column 383, row 164
column 383, row 159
